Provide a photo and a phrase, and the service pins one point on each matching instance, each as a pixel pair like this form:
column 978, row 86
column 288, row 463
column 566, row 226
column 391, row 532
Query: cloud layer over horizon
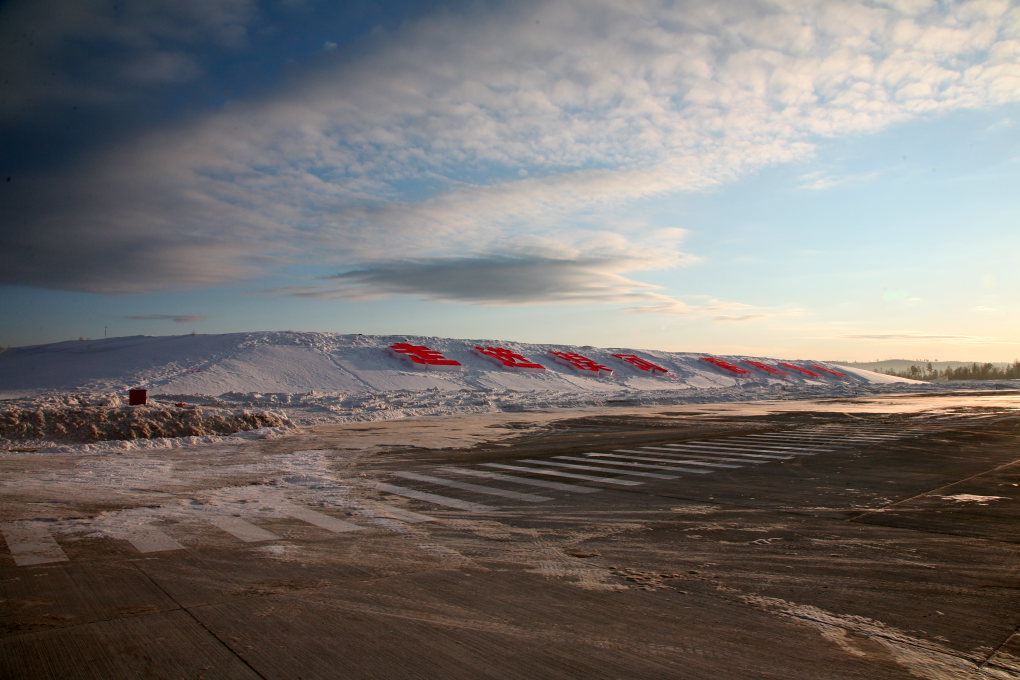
column 486, row 154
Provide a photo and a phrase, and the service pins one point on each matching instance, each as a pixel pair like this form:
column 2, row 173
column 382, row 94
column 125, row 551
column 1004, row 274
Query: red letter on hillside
column 420, row 354
column 802, row 370
column 725, row 364
column 767, row 368
column 509, row 359
column 643, row 364
column 582, row 363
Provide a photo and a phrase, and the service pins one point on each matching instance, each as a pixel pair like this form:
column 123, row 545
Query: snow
column 325, row 377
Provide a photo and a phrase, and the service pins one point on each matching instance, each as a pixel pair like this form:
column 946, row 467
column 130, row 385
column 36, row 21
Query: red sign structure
column 725, row 364
column 767, row 368
column 583, row 363
column 509, row 358
column 828, row 370
column 422, row 355
column 643, row 364
column 802, row 370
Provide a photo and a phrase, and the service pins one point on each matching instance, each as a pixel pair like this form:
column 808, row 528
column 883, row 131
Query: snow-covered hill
column 288, row 363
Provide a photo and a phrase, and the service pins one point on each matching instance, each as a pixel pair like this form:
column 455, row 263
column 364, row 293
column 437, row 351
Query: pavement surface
column 858, row 538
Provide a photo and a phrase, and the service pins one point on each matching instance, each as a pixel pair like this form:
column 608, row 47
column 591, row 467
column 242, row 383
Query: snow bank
column 320, row 377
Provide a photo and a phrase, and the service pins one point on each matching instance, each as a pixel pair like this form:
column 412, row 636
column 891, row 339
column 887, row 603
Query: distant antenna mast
column 104, row 330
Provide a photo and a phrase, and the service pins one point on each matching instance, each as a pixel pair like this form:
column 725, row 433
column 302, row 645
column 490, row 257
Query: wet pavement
column 871, row 538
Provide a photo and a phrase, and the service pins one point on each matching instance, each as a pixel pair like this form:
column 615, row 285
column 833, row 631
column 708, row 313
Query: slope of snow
column 299, row 363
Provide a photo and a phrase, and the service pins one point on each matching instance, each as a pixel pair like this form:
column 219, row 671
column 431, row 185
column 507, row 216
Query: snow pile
column 320, row 377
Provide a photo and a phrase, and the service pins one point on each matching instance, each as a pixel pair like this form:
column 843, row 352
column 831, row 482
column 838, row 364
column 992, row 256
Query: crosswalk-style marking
column 540, row 483
column 838, row 442
column 572, row 466
column 30, row 543
column 812, row 436
column 739, row 444
column 672, row 459
column 720, row 454
column 474, row 488
column 393, row 513
column 240, row 529
column 319, row 519
column 583, row 459
column 434, row 498
column 558, row 473
column 733, row 453
column 675, row 465
column 145, row 538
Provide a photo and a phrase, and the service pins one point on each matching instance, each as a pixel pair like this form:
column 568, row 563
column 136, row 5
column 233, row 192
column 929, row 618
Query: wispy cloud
column 176, row 318
column 458, row 138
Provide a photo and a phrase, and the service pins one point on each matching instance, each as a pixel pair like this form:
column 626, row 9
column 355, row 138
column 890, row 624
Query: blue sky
column 790, row 178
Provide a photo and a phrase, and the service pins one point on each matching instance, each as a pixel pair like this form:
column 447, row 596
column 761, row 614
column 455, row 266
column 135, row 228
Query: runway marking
column 740, row 444
column 319, row 519
column 557, row 473
column 145, row 538
column 816, row 436
column 474, row 488
column 395, row 513
column 571, row 466
column 240, row 529
column 434, row 498
column 541, row 483
column 667, row 460
column 840, row 442
column 30, row 543
column 640, row 465
column 731, row 451
column 676, row 465
column 721, row 454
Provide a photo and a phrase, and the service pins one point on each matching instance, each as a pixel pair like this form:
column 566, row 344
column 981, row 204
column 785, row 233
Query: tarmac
column 865, row 538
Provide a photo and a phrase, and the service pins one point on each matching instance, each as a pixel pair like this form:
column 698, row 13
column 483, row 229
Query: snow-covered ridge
column 256, row 364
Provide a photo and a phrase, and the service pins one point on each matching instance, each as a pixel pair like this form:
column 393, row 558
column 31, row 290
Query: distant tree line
column 973, row 372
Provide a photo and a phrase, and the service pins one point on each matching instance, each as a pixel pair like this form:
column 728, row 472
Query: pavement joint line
column 1002, row 644
column 932, row 491
column 434, row 498
column 476, row 488
column 513, row 479
column 558, row 473
column 233, row 652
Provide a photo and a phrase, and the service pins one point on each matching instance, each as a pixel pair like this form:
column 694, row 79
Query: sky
column 789, row 178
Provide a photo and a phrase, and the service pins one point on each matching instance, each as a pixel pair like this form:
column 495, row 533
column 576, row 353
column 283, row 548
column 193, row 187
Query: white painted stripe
column 669, row 460
column 813, row 436
column 434, row 498
column 682, row 464
column 145, row 538
column 734, row 453
column 319, row 519
column 557, row 473
column 595, row 468
column 474, row 488
column 541, row 483
column 737, row 444
column 838, row 442
column 31, row 543
column 240, row 529
column 639, row 465
column 395, row 513
column 722, row 454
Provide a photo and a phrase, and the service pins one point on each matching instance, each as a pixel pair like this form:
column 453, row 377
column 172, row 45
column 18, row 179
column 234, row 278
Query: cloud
column 463, row 135
column 176, row 318
column 914, row 336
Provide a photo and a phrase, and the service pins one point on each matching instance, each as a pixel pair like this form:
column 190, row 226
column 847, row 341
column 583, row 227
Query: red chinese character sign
column 582, row 363
column 802, row 370
column 423, row 356
column 509, row 359
column 725, row 365
column 765, row 367
column 818, row 367
column 643, row 364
